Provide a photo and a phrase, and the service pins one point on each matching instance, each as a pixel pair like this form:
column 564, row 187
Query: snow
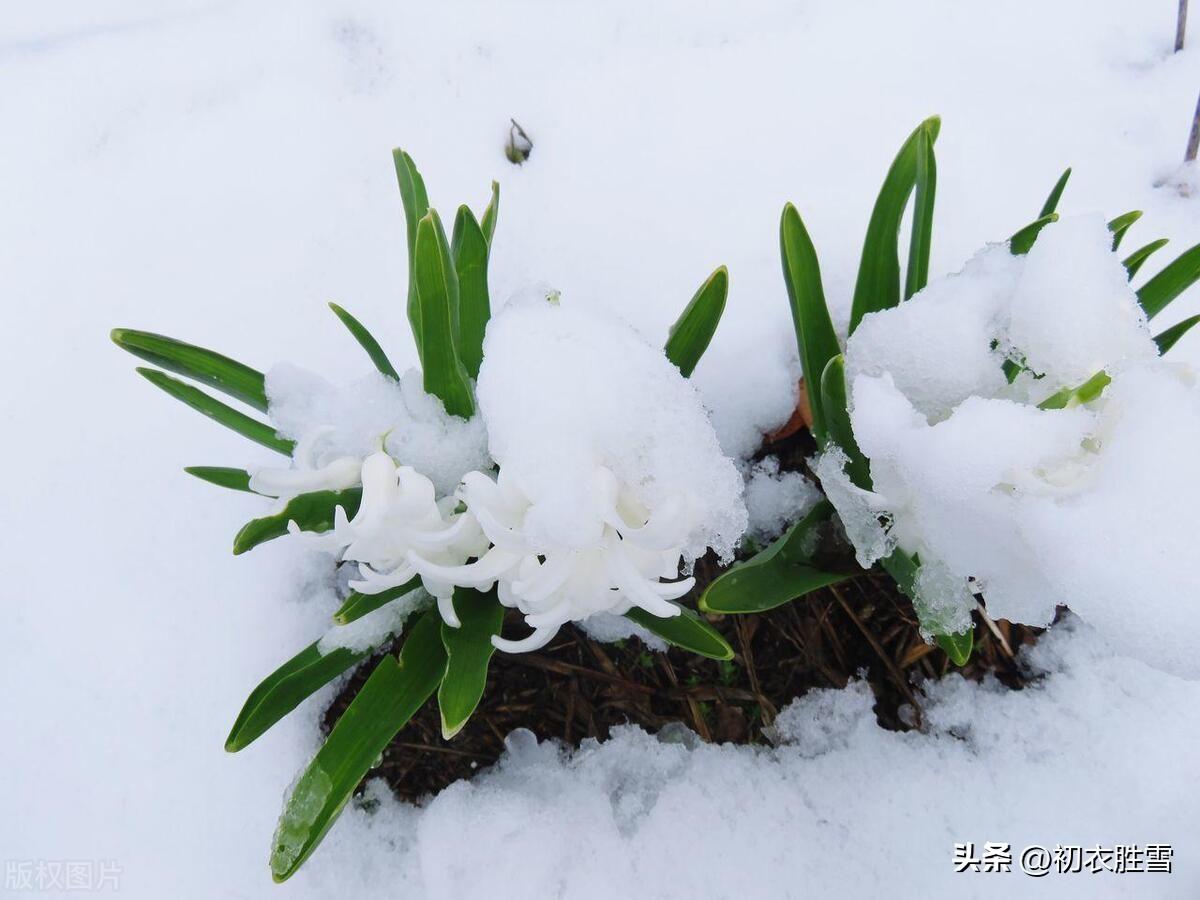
column 369, row 631
column 1025, row 501
column 641, row 817
column 219, row 172
column 774, row 499
column 373, row 412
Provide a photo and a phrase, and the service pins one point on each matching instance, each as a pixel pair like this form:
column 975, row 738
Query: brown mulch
column 577, row 688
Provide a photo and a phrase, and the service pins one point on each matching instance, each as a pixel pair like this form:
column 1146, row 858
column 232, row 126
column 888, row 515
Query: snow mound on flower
column 1088, row 506
column 775, row 499
column 360, row 414
column 565, row 391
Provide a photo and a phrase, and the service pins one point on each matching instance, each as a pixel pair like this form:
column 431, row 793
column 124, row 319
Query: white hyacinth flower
column 621, row 567
column 401, row 527
column 309, row 472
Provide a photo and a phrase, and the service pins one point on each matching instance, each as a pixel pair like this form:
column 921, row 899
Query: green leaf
column 468, row 651
column 357, row 605
column 686, row 630
column 917, row 273
column 234, row 479
column 1085, row 393
column 1175, row 278
column 1135, row 260
column 469, row 247
column 367, row 341
column 416, row 205
column 259, row 432
column 1056, row 193
column 1023, row 240
column 689, row 337
column 205, row 366
column 285, row 689
column 488, row 222
column 957, row 646
column 878, row 284
column 1120, row 225
column 837, row 418
column 437, row 294
column 384, row 705
column 1171, row 336
column 776, row 575
column 815, row 338
column 311, row 512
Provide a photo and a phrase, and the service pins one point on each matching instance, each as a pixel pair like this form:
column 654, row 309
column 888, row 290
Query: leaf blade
column 208, row 367
column 357, row 605
column 367, row 341
column 313, row 511
column 1171, row 336
column 416, row 204
column 469, row 650
column 469, row 248
column 692, row 332
column 1051, row 204
column 389, row 699
column 1171, row 281
column 223, row 476
column 488, row 222
column 247, row 427
column 776, row 575
column 920, row 241
column 878, row 284
column 1135, row 260
column 437, row 296
column 816, row 340
column 1121, row 224
column 285, row 689
column 1023, row 239
column 686, row 630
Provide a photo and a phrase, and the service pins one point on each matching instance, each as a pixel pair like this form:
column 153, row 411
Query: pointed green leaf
column 1051, row 204
column 234, row 479
column 468, row 651
column 1022, row 242
column 957, row 646
column 311, row 512
column 259, row 432
column 367, row 341
column 878, row 284
column 469, row 247
column 205, row 366
column 416, row 205
column 837, row 419
column 1135, row 260
column 1120, row 225
column 357, row 605
column 778, row 574
column 917, row 274
column 1175, row 278
column 437, row 294
column 285, row 689
column 488, row 222
column 687, row 631
column 689, row 337
column 1085, row 393
column 384, row 705
column 815, row 338
column 1171, row 336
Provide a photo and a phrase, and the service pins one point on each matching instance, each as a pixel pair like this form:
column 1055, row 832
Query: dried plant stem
column 1194, row 138
column 1181, row 25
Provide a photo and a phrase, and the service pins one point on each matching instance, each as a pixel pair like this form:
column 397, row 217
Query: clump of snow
column 939, row 347
column 369, row 631
column 610, row 473
column 566, row 391
column 774, row 499
column 1031, row 503
column 374, row 412
column 864, row 514
column 1072, row 311
column 607, row 627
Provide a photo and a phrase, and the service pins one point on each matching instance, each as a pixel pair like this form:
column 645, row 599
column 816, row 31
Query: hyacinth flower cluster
column 983, row 436
column 442, row 506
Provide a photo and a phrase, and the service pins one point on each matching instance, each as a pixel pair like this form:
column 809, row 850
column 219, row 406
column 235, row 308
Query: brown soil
column 576, row 688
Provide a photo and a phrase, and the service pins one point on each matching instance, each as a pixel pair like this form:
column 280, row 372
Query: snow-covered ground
column 218, row 171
